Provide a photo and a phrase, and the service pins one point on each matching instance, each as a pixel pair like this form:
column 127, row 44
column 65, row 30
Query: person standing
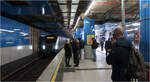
column 94, row 46
column 68, row 53
column 102, row 44
column 108, row 46
column 76, row 53
column 119, row 56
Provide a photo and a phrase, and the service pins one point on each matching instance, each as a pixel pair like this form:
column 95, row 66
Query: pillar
column 145, row 33
column 88, row 34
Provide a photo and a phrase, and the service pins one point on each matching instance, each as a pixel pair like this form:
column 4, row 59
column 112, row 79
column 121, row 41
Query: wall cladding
column 35, row 37
column 13, row 33
column 145, row 29
column 14, row 40
column 9, row 54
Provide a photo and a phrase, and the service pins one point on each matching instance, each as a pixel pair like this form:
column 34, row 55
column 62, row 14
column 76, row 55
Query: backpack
column 96, row 45
column 135, row 64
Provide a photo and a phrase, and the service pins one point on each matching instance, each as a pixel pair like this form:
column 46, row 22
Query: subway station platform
column 33, row 35
column 89, row 70
column 86, row 71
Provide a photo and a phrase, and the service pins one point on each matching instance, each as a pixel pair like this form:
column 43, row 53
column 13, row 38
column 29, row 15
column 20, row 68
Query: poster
column 89, row 40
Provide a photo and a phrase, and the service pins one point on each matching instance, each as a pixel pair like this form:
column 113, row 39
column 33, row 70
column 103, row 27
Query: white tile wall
column 9, row 54
column 1, row 56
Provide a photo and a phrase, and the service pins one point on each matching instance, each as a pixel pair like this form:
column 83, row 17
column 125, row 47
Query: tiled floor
column 90, row 71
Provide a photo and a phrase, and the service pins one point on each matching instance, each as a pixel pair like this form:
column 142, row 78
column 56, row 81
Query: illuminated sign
column 50, row 37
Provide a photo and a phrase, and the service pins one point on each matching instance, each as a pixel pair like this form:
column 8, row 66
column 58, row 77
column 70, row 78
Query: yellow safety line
column 56, row 71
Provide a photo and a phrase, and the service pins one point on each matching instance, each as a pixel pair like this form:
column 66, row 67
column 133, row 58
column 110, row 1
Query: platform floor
column 90, row 71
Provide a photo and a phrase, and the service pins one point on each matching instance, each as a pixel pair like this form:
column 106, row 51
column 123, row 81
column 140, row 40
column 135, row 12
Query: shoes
column 76, row 65
column 68, row 65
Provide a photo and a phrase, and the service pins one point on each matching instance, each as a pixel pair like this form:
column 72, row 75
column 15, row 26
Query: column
column 88, row 34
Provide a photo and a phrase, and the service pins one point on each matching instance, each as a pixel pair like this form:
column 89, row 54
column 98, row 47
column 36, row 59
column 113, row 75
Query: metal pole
column 123, row 18
column 123, row 12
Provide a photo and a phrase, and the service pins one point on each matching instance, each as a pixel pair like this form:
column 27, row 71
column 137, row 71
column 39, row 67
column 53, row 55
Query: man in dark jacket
column 94, row 46
column 119, row 56
column 68, row 53
column 77, row 52
column 102, row 44
column 108, row 46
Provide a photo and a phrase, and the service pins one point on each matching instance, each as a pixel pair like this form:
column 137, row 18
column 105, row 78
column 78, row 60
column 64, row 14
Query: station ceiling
column 60, row 16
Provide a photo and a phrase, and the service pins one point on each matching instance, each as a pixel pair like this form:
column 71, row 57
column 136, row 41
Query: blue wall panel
column 13, row 33
column 145, row 29
column 78, row 32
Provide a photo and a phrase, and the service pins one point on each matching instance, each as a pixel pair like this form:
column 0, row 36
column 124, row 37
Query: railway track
column 28, row 72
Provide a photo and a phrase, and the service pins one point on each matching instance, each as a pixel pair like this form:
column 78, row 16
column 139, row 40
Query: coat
column 68, row 50
column 119, row 57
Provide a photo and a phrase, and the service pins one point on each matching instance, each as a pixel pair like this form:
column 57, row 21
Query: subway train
column 50, row 45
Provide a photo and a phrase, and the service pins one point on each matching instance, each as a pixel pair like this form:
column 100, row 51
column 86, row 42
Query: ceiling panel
column 71, row 23
column 62, row 1
column 74, row 8
column 63, row 8
column 75, row 1
column 71, row 20
column 64, row 14
column 72, row 14
column 65, row 19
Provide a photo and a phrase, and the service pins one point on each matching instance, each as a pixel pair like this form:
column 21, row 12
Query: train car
column 50, row 45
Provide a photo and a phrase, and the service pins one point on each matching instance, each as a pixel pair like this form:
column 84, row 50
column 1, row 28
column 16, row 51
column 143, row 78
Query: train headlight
column 43, row 47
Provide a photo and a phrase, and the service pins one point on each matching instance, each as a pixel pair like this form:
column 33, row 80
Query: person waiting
column 68, row 53
column 119, row 56
column 76, row 53
column 94, row 46
column 108, row 46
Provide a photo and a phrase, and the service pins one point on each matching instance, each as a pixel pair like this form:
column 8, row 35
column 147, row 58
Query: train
column 50, row 45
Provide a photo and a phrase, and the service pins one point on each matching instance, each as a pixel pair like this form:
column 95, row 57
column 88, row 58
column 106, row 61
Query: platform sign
column 89, row 39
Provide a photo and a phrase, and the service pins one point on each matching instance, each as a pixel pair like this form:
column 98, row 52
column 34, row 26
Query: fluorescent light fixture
column 43, row 47
column 9, row 42
column 128, row 25
column 71, row 20
column 135, row 24
column 23, row 34
column 16, row 29
column 57, row 42
column 43, row 11
column 30, row 47
column 136, row 29
column 71, row 23
column 89, row 7
column 5, row 30
column 19, row 47
column 77, row 22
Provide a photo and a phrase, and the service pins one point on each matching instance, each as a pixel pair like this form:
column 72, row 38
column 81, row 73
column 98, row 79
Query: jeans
column 94, row 54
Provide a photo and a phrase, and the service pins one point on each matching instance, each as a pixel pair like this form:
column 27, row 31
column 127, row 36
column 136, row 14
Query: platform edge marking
column 56, row 71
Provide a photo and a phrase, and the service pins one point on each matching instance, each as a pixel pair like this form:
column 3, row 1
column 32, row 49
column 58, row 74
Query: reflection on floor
column 89, row 70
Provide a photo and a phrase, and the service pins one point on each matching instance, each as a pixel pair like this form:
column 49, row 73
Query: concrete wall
column 9, row 54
